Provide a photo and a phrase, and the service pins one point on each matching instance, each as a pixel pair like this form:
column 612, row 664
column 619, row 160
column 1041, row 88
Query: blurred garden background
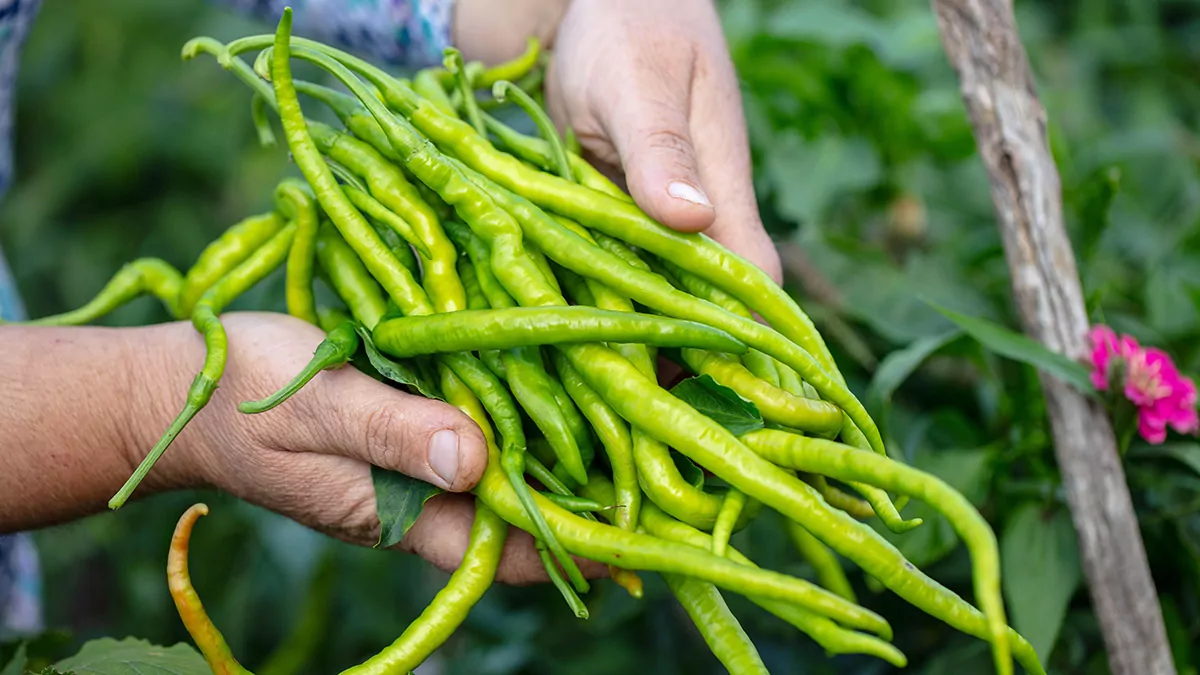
column 867, row 176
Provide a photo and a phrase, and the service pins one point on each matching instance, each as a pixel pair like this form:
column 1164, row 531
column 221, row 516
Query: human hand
column 308, row 459
column 650, row 91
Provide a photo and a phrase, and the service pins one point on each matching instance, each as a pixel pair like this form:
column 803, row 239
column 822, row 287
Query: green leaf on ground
column 131, row 656
column 16, row 665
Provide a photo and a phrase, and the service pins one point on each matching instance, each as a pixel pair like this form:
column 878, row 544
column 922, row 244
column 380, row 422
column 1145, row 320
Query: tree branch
column 981, row 40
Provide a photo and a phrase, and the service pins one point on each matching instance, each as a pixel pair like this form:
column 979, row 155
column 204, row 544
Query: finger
column 651, row 131
column 723, row 156
column 348, row 413
column 443, row 530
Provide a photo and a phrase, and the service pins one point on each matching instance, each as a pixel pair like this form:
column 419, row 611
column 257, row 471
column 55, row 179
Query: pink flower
column 1105, row 345
column 1148, row 379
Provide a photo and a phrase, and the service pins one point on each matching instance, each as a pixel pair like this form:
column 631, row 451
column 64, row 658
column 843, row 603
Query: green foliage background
column 867, row 176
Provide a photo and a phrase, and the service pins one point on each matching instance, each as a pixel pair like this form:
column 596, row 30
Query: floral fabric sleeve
column 404, row 32
column 20, row 581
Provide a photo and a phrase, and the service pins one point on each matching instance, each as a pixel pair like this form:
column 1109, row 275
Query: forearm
column 67, row 404
column 496, row 30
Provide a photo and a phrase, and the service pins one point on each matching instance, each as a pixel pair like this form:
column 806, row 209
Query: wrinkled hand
column 310, row 458
column 650, row 91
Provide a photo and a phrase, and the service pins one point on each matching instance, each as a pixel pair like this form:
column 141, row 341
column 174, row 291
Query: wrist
column 164, row 360
column 493, row 31
column 65, row 414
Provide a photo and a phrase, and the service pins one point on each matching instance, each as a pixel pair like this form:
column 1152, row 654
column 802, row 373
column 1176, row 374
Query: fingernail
column 443, row 455
column 688, row 193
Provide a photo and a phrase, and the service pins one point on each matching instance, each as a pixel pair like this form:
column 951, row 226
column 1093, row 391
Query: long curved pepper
column 775, row 404
column 349, row 277
column 374, row 209
column 538, row 326
column 134, row 279
column 187, row 602
column 843, row 462
column 216, row 346
column 503, row 410
column 295, row 201
column 828, row 568
column 731, row 510
column 453, row 62
column 262, row 125
column 514, row 69
column 467, row 584
column 717, row 625
column 503, row 90
column 336, row 350
column 225, row 253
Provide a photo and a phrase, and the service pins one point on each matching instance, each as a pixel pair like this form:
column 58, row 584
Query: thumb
column 423, row 438
column 659, row 161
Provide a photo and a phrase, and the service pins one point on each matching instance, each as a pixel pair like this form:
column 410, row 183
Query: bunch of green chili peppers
column 539, row 298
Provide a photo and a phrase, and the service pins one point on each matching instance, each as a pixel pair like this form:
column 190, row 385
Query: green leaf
column 809, row 177
column 1017, row 347
column 719, row 403
column 398, row 372
column 131, row 656
column 897, row 366
column 16, row 665
column 1177, row 635
column 1095, row 210
column 1184, row 452
column 1041, row 572
column 399, row 499
column 691, row 473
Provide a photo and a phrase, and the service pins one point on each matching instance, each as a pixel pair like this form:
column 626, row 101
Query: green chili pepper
column 574, row 504
column 222, row 255
column 503, row 90
column 503, row 411
column 294, row 200
column 134, row 279
column 828, row 568
column 336, row 350
column 526, row 326
column 348, row 275
column 428, row 84
column 514, row 69
column 775, row 404
column 204, row 317
column 374, row 209
column 262, row 125
column 832, row 637
column 846, row 463
column 453, row 64
column 731, row 510
column 717, row 625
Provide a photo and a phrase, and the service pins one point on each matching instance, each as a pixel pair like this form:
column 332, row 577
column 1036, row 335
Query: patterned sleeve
column 403, row 32
column 20, row 581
